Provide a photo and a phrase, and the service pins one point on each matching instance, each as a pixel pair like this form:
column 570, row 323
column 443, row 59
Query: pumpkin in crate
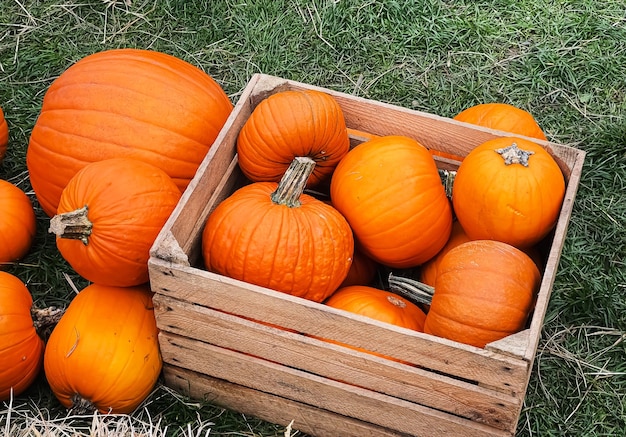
column 504, row 117
column 390, row 191
column 288, row 124
column 17, row 223
column 430, row 269
column 377, row 304
column 21, row 348
column 274, row 236
column 484, row 292
column 104, row 354
column 362, row 270
column 124, row 103
column 109, row 215
column 4, row 135
column 508, row 189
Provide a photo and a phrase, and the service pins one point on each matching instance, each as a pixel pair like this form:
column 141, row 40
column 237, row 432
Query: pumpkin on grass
column 485, row 291
column 21, row 348
column 389, row 190
column 17, row 223
column 109, row 216
column 504, row 117
column 124, row 103
column 288, row 124
column 103, row 354
column 4, row 135
column 508, row 189
column 274, row 236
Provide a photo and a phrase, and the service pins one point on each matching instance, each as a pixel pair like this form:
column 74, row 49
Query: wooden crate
column 214, row 350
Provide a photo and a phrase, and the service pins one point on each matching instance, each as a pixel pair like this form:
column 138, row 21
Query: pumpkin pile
column 388, row 211
column 119, row 136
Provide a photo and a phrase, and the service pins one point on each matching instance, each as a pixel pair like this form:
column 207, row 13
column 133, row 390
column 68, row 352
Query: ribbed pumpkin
column 109, row 216
column 17, row 223
column 292, row 123
column 104, row 354
column 504, row 117
column 21, row 349
column 508, row 189
column 4, row 135
column 485, row 291
column 124, row 103
column 389, row 190
column 274, row 236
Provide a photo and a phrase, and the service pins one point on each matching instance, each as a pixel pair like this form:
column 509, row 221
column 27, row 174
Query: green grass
column 563, row 61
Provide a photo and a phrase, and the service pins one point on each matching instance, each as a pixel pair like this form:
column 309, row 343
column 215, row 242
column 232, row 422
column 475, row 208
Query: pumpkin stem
column 515, row 155
column 411, row 289
column 73, row 225
column 45, row 319
column 293, row 182
column 81, row 406
column 447, row 179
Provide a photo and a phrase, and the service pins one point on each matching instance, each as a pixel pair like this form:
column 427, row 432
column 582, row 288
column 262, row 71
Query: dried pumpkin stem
column 293, row 182
column 81, row 406
column 515, row 155
column 73, row 225
column 45, row 319
column 411, row 289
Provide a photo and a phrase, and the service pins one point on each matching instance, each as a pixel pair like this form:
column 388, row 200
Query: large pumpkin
column 17, row 223
column 124, row 103
column 21, row 349
column 484, row 291
column 103, row 354
column 4, row 135
column 274, row 236
column 109, row 216
column 508, row 189
column 389, row 190
column 292, row 123
column 504, row 117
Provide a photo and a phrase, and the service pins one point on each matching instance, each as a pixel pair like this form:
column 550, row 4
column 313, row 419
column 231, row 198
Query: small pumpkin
column 504, row 117
column 136, row 103
column 4, row 136
column 17, row 223
column 103, row 354
column 307, row 123
column 508, row 189
column 362, row 270
column 109, row 216
column 389, row 190
column 274, row 236
column 21, row 348
column 484, row 291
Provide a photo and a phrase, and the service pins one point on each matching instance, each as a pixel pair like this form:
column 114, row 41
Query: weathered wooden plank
column 323, row 393
column 312, row 355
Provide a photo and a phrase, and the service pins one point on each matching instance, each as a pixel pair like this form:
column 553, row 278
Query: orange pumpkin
column 17, row 223
column 292, row 123
column 21, row 349
column 274, row 236
column 124, row 103
column 504, row 117
column 430, row 269
column 4, row 135
column 508, row 189
column 485, row 291
column 390, row 192
column 378, row 304
column 109, row 216
column 104, row 354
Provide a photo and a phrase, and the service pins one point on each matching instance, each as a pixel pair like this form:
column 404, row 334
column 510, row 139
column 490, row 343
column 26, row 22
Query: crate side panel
column 302, row 417
column 225, row 294
column 299, row 386
column 336, row 362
